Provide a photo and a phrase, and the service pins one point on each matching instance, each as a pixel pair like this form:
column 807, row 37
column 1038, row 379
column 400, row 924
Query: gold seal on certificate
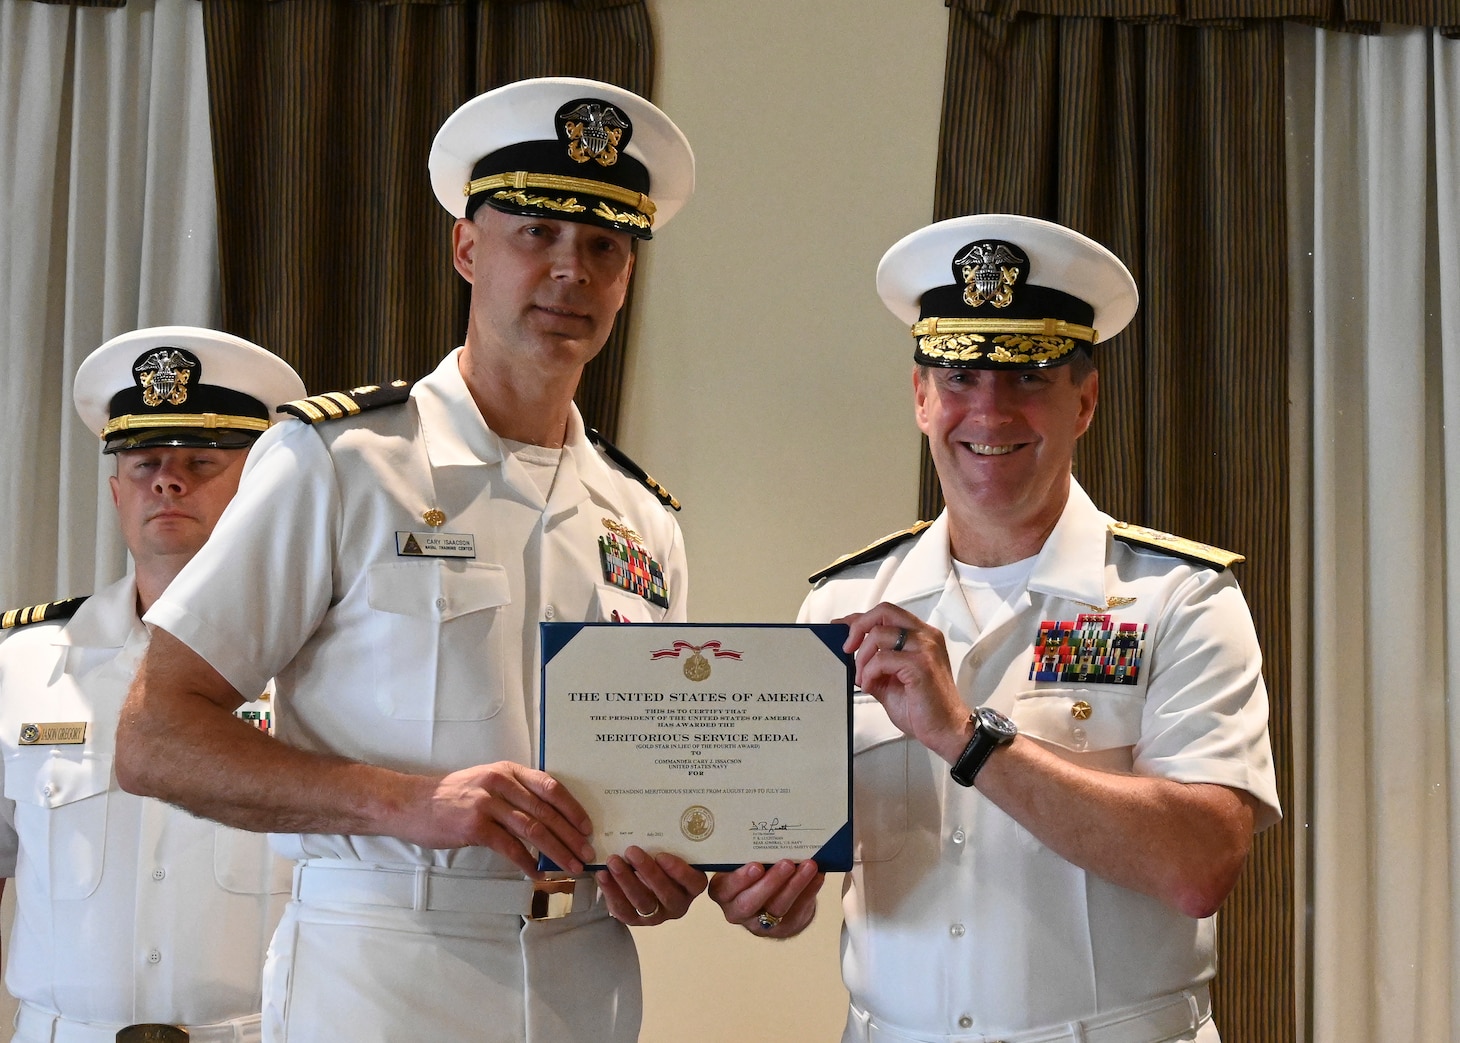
column 722, row 744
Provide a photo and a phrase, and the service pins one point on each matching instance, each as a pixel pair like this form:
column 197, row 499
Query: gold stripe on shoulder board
column 873, row 550
column 1179, row 546
column 19, row 617
column 334, row 405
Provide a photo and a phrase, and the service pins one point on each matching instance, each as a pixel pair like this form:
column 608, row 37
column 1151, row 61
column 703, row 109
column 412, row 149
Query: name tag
column 58, row 733
column 435, row 545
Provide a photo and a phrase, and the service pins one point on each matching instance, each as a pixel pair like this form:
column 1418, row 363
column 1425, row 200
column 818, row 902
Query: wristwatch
column 991, row 730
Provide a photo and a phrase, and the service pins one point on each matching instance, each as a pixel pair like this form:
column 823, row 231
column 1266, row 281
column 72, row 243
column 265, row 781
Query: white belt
column 1154, row 1021
column 446, row 890
column 32, row 1023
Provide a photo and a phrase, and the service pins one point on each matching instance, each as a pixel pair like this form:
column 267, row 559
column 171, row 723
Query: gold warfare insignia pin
column 434, row 518
column 164, row 375
column 594, row 131
column 987, row 273
column 56, row 733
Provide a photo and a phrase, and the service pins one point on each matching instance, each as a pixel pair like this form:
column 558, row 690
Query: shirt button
column 1081, row 741
column 154, row 956
column 159, row 873
column 48, row 789
column 956, row 930
column 959, row 836
column 549, row 612
column 440, row 602
column 965, row 1022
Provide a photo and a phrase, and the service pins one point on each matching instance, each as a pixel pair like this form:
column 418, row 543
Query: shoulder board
column 51, row 610
column 1200, row 553
column 869, row 552
column 621, row 458
column 333, row 405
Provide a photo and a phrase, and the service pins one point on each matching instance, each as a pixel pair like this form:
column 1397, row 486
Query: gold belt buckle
column 152, row 1034
column 551, row 899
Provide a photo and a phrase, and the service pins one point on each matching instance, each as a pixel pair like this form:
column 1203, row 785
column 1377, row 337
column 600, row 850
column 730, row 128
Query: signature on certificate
column 774, row 825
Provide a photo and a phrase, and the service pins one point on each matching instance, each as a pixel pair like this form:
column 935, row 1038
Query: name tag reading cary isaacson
column 435, row 545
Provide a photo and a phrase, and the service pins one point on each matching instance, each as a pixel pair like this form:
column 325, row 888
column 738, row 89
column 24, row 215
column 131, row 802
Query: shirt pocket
column 245, row 864
column 443, row 646
column 620, row 606
column 1097, row 720
column 61, row 812
column 879, row 782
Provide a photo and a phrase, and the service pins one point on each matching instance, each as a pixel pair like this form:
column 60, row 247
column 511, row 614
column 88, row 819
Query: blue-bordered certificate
column 722, row 744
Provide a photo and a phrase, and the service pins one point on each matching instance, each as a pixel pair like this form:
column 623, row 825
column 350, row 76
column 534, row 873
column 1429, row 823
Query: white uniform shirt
column 127, row 910
column 957, row 920
column 422, row 664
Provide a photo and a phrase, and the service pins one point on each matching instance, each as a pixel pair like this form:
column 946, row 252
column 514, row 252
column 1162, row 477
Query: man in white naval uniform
column 397, row 551
column 1060, row 722
column 134, row 919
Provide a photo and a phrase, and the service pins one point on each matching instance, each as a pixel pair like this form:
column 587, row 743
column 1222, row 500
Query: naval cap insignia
column 164, row 374
column 595, row 130
column 990, row 270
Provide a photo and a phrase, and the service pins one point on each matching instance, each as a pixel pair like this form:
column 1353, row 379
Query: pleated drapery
column 108, row 224
column 335, row 253
column 1375, row 155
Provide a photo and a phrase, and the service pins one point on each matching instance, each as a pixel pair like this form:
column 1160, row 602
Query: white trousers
column 376, row 974
column 1182, row 1017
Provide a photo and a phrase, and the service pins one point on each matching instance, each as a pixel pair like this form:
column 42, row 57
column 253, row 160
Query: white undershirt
column 987, row 589
column 540, row 463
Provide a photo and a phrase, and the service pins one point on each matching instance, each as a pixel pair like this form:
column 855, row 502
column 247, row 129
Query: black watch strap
column 991, row 730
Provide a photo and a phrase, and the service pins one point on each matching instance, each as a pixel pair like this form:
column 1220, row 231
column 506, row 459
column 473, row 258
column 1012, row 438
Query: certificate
column 722, row 744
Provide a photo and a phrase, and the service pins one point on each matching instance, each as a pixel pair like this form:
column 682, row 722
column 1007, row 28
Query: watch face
column 1000, row 728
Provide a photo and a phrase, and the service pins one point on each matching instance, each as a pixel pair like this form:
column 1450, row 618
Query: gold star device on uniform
column 566, row 149
column 181, row 386
column 1003, row 291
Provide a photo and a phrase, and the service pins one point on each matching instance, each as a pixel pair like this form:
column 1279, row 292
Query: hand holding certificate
column 721, row 744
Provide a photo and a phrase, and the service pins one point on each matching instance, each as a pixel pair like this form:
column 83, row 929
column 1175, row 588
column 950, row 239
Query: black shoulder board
column 333, row 405
column 51, row 610
column 869, row 552
column 1200, row 553
column 621, row 458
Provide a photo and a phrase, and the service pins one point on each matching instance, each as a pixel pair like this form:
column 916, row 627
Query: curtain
column 108, row 224
column 1165, row 142
column 335, row 253
column 1379, row 362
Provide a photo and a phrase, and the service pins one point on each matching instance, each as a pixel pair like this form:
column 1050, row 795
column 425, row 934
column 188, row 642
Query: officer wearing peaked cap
column 181, row 386
column 105, row 881
column 1060, row 724
column 389, row 557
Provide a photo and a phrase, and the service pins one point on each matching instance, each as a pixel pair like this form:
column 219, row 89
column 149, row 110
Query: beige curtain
column 1375, row 199
column 107, row 221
